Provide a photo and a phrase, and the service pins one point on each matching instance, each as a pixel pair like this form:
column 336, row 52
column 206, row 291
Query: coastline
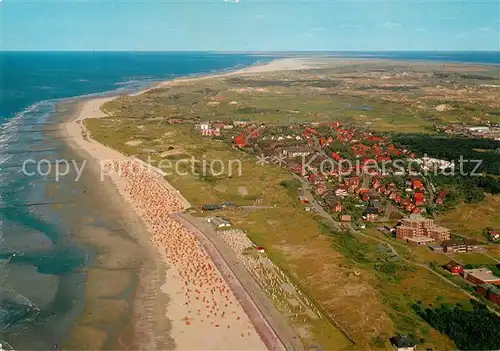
column 143, row 331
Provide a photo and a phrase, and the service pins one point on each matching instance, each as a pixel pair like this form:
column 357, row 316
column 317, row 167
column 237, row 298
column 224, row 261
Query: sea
column 42, row 267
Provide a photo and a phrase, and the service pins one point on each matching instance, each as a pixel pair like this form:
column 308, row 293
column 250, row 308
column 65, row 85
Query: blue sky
column 250, row 25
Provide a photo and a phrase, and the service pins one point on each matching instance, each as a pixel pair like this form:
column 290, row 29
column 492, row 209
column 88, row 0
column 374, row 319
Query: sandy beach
column 203, row 310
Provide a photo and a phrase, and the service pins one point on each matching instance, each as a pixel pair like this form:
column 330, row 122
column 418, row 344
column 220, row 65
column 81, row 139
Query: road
column 306, row 191
column 271, row 325
column 493, row 258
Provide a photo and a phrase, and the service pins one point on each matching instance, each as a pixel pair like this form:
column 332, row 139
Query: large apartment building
column 417, row 226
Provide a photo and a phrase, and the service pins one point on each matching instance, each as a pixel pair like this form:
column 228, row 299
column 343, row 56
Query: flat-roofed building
column 491, row 292
column 454, row 246
column 420, row 240
column 417, row 226
column 439, row 233
column 474, row 245
column 293, row 152
column 462, row 245
column 481, row 276
column 403, row 232
column 417, row 221
column 219, row 222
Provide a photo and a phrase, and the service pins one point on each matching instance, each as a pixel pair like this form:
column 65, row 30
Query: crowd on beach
column 207, row 296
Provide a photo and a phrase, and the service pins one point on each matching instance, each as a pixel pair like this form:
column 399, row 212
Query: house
column 454, row 246
column 404, row 201
column 336, row 156
column 479, row 129
column 227, row 204
column 419, row 199
column 240, row 123
column 259, row 248
column 303, row 199
column 463, row 245
column 489, row 291
column 481, row 276
column 294, row 152
column 240, row 141
column 474, row 245
column 203, row 126
column 392, row 186
column 316, row 179
column 420, row 240
column 403, row 343
column 494, row 235
column 377, row 204
column 364, row 194
column 353, row 181
column 219, row 222
column 215, row 131
column 337, row 207
column 370, row 213
column 410, row 207
column 345, row 218
column 320, row 189
column 211, row 207
column 454, row 268
column 341, row 191
column 436, row 248
column 439, row 201
column 417, row 184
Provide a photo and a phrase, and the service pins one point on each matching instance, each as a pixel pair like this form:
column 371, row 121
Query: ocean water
column 41, row 267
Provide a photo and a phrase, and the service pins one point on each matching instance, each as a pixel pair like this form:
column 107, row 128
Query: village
column 360, row 179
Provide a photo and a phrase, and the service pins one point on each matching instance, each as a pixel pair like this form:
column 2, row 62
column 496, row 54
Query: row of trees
column 452, row 148
column 467, row 187
column 470, row 327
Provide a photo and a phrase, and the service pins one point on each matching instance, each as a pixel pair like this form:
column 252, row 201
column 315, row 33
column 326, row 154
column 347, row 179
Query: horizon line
column 251, row 51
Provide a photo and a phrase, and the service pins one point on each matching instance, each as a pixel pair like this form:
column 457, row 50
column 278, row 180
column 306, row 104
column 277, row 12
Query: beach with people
column 202, row 312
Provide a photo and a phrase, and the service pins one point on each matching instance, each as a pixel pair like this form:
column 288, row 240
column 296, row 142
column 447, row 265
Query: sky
column 250, row 25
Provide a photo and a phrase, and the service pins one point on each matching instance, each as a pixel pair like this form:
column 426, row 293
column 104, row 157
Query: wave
column 15, row 309
column 4, row 346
